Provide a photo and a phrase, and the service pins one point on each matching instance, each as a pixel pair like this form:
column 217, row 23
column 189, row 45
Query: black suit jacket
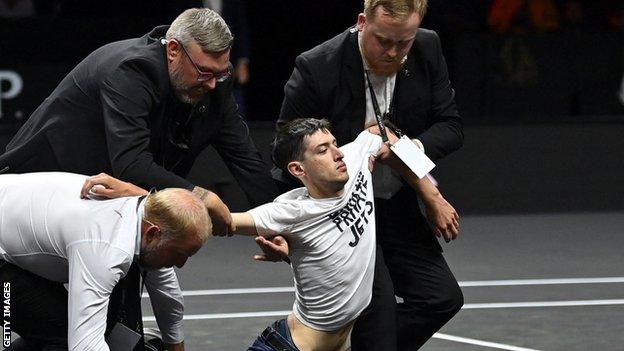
column 115, row 112
column 328, row 82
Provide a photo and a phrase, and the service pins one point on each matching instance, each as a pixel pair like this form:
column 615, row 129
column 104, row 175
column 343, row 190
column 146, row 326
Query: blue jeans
column 276, row 337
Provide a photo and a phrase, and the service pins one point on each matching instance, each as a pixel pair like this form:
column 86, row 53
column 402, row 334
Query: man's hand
column 392, row 138
column 219, row 213
column 385, row 155
column 442, row 217
column 274, row 250
column 110, row 187
column 371, row 163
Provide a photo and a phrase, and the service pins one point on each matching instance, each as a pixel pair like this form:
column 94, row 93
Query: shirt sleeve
column 365, row 144
column 128, row 97
column 94, row 270
column 275, row 218
column 167, row 303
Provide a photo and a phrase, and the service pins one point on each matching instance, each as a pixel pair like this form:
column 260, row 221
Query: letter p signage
column 15, row 86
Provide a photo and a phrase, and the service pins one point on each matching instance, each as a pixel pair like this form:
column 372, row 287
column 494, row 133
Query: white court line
column 279, row 289
column 468, row 306
column 437, row 335
column 475, row 283
column 190, row 317
column 494, row 345
column 483, row 283
column 471, row 306
column 515, row 282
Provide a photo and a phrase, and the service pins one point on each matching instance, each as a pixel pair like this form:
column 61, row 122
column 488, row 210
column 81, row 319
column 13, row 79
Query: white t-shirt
column 47, row 229
column 332, row 242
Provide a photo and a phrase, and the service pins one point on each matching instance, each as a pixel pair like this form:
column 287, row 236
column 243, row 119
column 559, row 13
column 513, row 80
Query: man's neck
column 320, row 194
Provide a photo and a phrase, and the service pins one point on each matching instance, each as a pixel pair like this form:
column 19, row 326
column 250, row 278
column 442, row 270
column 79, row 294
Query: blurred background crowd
column 539, row 83
column 509, row 60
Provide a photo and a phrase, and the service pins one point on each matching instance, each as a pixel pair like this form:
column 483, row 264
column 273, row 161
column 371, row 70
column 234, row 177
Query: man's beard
column 146, row 256
column 183, row 91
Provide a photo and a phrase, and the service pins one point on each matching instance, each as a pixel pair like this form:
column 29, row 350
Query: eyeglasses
column 206, row 76
column 157, row 228
column 151, row 223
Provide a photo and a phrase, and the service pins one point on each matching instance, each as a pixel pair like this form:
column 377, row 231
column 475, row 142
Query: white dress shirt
column 47, row 229
column 386, row 181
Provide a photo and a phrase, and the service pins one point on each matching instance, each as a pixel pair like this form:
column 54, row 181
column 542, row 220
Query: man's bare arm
column 274, row 249
column 441, row 215
column 244, row 224
column 220, row 215
column 110, row 187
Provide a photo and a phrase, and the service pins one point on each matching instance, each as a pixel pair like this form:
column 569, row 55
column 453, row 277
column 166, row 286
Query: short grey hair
column 203, row 26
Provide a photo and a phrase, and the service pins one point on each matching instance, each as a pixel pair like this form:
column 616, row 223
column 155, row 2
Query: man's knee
column 441, row 307
column 451, row 302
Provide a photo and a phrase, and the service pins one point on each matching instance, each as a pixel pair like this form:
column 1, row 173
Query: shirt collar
column 140, row 208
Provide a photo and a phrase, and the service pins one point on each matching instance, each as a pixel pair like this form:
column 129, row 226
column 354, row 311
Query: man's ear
column 173, row 49
column 296, row 169
column 360, row 22
column 151, row 235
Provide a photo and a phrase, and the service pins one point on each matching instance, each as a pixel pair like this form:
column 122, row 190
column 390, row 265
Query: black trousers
column 39, row 308
column 411, row 266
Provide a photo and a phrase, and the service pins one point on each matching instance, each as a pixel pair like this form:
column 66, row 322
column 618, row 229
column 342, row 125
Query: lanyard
column 378, row 115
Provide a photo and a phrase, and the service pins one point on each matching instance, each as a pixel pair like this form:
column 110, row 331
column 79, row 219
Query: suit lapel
column 354, row 75
column 403, row 85
column 407, row 92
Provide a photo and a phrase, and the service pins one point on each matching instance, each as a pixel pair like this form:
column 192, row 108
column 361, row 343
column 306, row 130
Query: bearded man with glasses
column 143, row 109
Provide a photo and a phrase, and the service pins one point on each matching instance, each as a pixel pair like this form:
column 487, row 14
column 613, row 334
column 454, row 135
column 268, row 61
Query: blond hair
column 179, row 214
column 396, row 8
